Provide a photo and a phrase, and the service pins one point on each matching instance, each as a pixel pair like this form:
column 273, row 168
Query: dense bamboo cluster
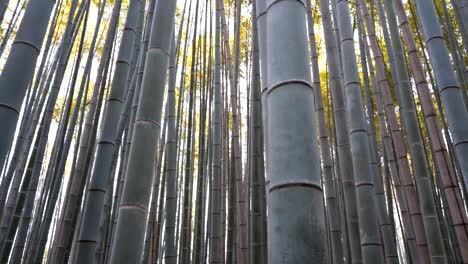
column 241, row 131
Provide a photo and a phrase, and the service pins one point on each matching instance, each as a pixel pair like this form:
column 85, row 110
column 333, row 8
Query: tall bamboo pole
column 133, row 208
column 292, row 161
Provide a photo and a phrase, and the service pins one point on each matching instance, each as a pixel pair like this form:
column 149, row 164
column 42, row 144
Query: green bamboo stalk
column 170, row 256
column 333, row 211
column 7, row 218
column 365, row 188
column 93, row 205
column 292, row 160
column 22, row 58
column 215, row 240
column 411, row 217
column 187, row 164
column 345, row 164
column 139, row 176
column 386, row 229
column 448, row 85
column 416, row 145
column 257, row 169
column 442, row 159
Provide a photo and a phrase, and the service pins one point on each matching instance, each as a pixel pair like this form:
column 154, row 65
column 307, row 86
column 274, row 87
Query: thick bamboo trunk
column 388, row 233
column 22, row 58
column 365, row 189
column 94, row 203
column 257, row 171
column 447, row 84
column 293, row 160
column 344, row 154
column 439, row 149
column 127, row 246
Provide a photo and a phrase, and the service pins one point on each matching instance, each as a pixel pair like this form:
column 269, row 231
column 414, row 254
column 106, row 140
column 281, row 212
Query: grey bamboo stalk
column 442, row 159
column 51, row 188
column 16, row 14
column 127, row 118
column 398, row 139
column 22, row 58
column 461, row 11
column 41, row 75
column 107, row 70
column 448, row 86
column 455, row 51
column 156, row 248
column 241, row 212
column 186, row 222
column 215, row 240
column 61, row 60
column 416, row 145
column 24, row 164
column 20, row 197
column 207, row 163
column 182, row 81
column 241, row 207
column 417, row 151
column 365, row 189
column 391, row 254
column 153, row 234
column 179, row 138
column 170, row 255
column 134, row 104
column 58, row 174
column 21, row 238
column 135, row 64
column 203, row 136
column 342, row 137
column 408, row 209
column 93, row 205
column 18, row 157
column 262, row 34
column 75, row 156
column 388, row 44
column 262, row 47
column 72, row 201
column 231, row 192
column 223, row 174
column 65, row 219
column 133, row 208
column 257, row 170
column 70, row 34
column 328, row 178
column 7, row 218
column 458, row 10
column 133, row 109
column 451, row 244
column 3, row 8
column 16, row 171
column 293, row 159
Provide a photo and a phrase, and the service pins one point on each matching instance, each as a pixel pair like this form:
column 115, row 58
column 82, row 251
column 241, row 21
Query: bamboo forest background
column 233, row 131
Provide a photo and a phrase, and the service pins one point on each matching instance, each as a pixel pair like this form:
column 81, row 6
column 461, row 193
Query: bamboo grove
column 234, row 131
